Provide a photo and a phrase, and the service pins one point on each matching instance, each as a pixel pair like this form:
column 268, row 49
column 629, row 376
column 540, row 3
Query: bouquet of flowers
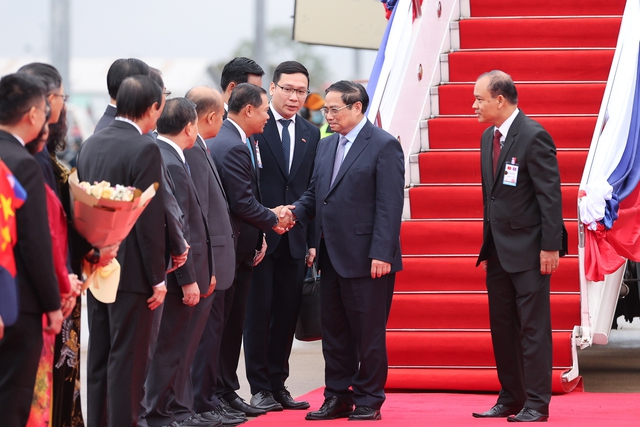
column 104, row 215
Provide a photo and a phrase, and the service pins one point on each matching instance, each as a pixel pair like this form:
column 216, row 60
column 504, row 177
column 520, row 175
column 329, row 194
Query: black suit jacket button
column 493, row 199
column 325, row 203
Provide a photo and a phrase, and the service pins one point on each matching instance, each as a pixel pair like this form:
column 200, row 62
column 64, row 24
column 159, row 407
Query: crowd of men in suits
column 248, row 197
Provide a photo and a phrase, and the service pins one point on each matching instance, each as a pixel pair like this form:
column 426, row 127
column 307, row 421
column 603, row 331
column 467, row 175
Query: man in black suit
column 198, row 393
column 287, row 148
column 356, row 196
column 523, row 238
column 239, row 164
column 23, row 114
column 177, row 131
column 120, row 332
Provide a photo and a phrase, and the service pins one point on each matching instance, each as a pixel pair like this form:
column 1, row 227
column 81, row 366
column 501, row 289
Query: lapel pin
column 304, row 140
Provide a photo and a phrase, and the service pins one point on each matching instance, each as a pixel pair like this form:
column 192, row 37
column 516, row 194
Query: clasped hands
column 286, row 219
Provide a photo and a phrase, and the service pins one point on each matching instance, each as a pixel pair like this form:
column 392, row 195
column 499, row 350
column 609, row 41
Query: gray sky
column 158, row 28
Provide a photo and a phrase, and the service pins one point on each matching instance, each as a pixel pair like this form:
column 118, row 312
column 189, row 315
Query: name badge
column 511, row 173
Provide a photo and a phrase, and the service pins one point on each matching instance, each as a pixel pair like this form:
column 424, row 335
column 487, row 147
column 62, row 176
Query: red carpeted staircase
column 559, row 54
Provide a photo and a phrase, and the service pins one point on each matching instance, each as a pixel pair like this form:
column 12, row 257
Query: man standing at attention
column 523, row 238
column 287, row 148
column 356, row 196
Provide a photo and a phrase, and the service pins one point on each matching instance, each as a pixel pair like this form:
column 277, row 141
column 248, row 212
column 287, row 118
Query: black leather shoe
column 250, row 411
column 221, row 415
column 264, row 400
column 198, row 421
column 228, row 409
column 284, row 398
column 365, row 413
column 331, row 409
column 529, row 415
column 498, row 411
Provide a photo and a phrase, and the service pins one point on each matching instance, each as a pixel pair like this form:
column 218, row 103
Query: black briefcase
column 308, row 327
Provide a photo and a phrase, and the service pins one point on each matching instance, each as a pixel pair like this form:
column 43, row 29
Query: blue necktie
column 286, row 141
column 186, row 165
column 253, row 161
column 339, row 157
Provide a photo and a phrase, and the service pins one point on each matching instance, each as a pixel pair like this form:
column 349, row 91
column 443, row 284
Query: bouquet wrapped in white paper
column 104, row 215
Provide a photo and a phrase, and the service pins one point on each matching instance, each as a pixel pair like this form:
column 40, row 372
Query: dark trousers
column 205, row 369
column 234, row 310
column 20, row 350
column 354, row 317
column 272, row 313
column 520, row 318
column 181, row 404
column 167, row 359
column 118, row 355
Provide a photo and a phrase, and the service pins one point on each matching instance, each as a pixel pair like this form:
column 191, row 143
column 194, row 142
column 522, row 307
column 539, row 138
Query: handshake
column 286, row 218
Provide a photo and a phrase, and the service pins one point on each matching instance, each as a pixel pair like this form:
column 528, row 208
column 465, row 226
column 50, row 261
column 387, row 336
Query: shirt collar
column 20, row 140
column 504, row 128
column 174, row 146
column 131, row 122
column 353, row 133
column 279, row 117
column 243, row 135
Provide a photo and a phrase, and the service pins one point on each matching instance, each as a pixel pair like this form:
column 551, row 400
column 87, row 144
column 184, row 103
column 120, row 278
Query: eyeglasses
column 167, row 93
column 64, row 96
column 301, row 93
column 333, row 111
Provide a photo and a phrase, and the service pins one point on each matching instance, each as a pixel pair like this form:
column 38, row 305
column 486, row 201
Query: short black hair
column 352, row 92
column 51, row 78
column 501, row 83
column 245, row 94
column 120, row 70
column 237, row 70
column 136, row 95
column 204, row 103
column 18, row 93
column 290, row 67
column 177, row 113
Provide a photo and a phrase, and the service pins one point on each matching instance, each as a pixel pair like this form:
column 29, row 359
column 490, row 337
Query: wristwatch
column 94, row 257
column 277, row 221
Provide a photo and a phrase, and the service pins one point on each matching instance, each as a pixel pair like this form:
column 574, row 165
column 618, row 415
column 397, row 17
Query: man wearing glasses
column 356, row 198
column 287, row 148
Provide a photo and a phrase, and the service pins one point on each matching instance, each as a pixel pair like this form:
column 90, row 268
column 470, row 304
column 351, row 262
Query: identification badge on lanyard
column 511, row 173
column 258, row 158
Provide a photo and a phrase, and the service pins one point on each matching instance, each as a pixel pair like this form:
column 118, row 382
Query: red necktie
column 496, row 150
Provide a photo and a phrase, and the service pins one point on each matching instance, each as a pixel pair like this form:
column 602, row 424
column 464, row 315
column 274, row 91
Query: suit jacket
column 120, row 155
column 213, row 202
column 522, row 220
column 360, row 214
column 199, row 265
column 240, row 181
column 106, row 119
column 281, row 187
column 37, row 287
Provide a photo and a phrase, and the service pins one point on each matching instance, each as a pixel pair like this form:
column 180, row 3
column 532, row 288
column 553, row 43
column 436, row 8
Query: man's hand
column 1, row 328
column 257, row 258
column 285, row 219
column 212, row 287
column 54, row 323
column 549, row 261
column 311, row 255
column 179, row 260
column 191, row 294
column 107, row 254
column 157, row 298
column 484, row 265
column 379, row 268
column 68, row 301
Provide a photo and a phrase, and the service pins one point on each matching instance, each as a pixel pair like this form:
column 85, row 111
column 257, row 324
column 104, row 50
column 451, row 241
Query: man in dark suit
column 120, row 332
column 198, row 393
column 523, row 238
column 23, row 113
column 356, row 196
column 239, row 164
column 177, row 131
column 287, row 148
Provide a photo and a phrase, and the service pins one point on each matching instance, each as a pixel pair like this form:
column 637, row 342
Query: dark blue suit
column 357, row 220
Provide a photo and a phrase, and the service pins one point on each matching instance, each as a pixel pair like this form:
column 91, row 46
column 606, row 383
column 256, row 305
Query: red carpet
column 454, row 410
column 559, row 54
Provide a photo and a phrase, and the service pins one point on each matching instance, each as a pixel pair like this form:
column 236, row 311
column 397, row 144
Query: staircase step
column 546, row 7
column 533, row 98
column 435, row 166
column 460, row 274
column 459, row 348
column 465, row 132
column 465, row 379
column 467, row 311
column 427, row 237
column 465, row 201
column 539, row 33
column 550, row 65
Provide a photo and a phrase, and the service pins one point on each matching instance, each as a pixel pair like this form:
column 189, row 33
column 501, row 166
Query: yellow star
column 6, row 207
column 6, row 237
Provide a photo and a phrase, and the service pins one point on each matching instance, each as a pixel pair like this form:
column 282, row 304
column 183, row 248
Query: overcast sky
column 158, row 28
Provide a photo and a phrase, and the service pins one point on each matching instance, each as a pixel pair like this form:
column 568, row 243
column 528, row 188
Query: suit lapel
column 361, row 142
column 272, row 137
column 508, row 143
column 204, row 148
column 299, row 148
